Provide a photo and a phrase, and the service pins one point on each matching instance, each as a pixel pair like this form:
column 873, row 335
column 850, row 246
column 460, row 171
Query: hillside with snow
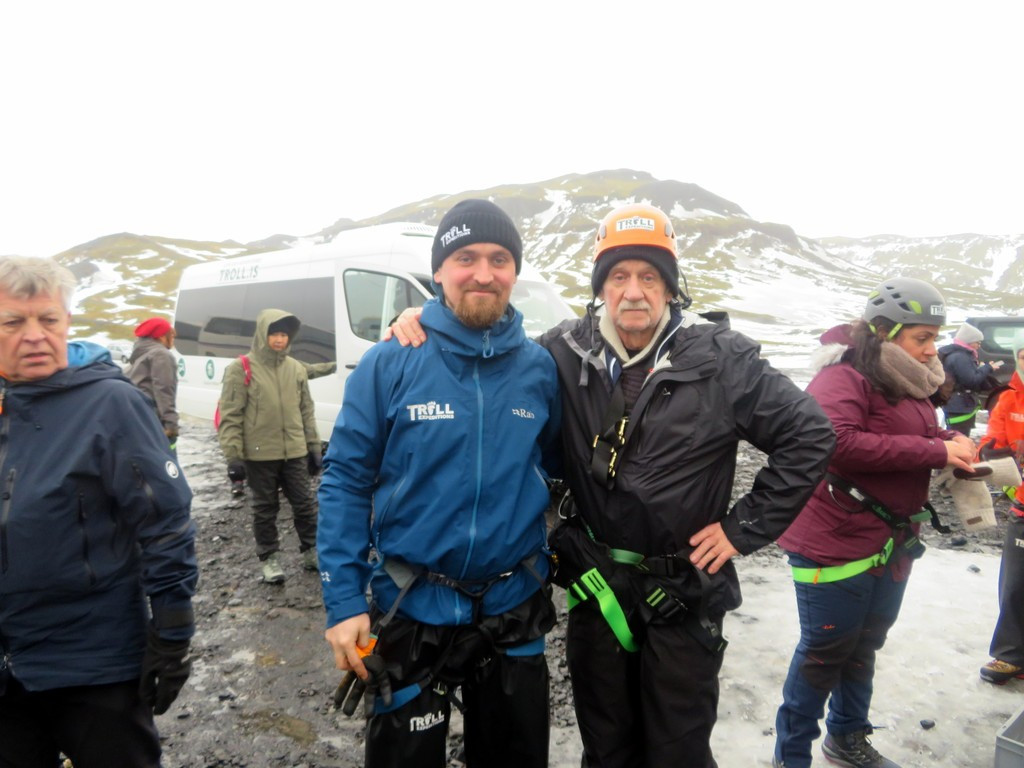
column 778, row 287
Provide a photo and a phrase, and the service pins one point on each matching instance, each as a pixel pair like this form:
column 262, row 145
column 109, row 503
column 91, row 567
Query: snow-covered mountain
column 778, row 287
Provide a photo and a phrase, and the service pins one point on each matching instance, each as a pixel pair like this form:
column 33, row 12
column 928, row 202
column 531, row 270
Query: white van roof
column 398, row 237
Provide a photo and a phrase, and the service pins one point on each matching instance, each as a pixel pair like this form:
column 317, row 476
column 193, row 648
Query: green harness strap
column 963, row 416
column 606, row 601
column 830, row 573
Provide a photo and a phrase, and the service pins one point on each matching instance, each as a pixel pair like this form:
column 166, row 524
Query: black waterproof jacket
column 709, row 390
column 96, row 539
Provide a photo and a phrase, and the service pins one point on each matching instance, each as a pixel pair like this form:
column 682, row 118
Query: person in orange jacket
column 1005, row 434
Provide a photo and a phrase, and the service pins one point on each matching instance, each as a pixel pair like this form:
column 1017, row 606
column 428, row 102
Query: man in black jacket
column 97, row 556
column 655, row 400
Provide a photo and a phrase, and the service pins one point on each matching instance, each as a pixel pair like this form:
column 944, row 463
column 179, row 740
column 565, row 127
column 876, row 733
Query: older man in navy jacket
column 97, row 559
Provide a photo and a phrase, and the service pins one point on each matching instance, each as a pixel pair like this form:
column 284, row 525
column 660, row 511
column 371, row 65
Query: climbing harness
column 912, row 544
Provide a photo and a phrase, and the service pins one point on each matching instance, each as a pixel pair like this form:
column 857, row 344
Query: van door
column 367, row 299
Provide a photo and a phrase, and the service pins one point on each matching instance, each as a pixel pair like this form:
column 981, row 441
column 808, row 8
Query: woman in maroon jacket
column 852, row 546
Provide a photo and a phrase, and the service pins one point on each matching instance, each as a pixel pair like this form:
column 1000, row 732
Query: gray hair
column 26, row 278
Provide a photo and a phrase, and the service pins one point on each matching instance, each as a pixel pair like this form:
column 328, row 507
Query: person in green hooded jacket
column 269, row 438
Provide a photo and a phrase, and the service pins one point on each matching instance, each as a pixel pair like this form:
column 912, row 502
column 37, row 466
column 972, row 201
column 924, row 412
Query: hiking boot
column 1000, row 672
column 309, row 560
column 272, row 571
column 853, row 750
column 238, row 487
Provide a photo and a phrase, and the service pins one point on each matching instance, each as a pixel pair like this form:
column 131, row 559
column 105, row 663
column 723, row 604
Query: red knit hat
column 154, row 327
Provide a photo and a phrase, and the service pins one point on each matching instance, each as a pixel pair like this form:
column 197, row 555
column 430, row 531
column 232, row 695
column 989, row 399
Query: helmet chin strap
column 889, row 336
column 684, row 293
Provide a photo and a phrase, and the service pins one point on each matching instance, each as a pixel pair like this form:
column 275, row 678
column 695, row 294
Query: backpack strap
column 247, row 367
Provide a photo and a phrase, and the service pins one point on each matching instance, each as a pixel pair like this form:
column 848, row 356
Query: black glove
column 165, row 668
column 987, row 451
column 351, row 689
column 236, row 470
column 314, row 462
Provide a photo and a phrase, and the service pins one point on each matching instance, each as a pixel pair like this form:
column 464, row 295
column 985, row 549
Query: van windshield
column 541, row 306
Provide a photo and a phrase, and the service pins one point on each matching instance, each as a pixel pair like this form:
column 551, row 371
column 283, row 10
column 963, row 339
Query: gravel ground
column 263, row 677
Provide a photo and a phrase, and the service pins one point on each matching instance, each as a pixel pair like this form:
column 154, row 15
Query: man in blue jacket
column 97, row 559
column 433, row 494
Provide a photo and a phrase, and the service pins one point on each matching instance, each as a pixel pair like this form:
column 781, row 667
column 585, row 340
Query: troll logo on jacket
column 431, row 411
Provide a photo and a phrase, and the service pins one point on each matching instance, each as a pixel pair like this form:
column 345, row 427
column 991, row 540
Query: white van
column 344, row 292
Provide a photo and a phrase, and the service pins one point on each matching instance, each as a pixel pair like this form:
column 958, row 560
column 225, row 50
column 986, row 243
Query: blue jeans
column 842, row 625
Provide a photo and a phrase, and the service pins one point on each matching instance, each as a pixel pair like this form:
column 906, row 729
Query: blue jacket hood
column 84, row 352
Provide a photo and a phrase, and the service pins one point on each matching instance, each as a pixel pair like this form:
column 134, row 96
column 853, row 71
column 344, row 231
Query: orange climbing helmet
column 636, row 231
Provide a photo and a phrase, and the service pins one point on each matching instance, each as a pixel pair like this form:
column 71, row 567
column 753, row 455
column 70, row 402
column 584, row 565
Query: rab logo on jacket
column 430, row 411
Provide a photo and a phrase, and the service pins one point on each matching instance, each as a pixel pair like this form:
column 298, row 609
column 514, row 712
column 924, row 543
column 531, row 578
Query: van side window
column 374, row 300
column 220, row 321
column 1001, row 336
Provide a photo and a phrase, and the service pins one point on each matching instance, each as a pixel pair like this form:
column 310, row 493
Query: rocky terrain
column 260, row 693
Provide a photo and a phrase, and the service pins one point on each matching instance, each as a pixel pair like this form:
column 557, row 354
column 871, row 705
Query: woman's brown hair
column 866, row 353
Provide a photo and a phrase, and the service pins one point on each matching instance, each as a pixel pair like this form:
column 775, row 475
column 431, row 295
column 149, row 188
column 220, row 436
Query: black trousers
column 97, row 726
column 505, row 695
column 1008, row 638
column 292, row 477
column 652, row 708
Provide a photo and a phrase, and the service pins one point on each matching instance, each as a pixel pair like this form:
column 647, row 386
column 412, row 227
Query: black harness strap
column 610, row 440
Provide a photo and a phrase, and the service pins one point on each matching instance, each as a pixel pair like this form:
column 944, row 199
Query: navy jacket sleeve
column 143, row 476
column 968, row 374
column 351, row 466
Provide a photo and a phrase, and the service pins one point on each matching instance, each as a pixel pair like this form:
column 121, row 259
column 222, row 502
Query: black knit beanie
column 475, row 221
column 663, row 260
column 288, row 324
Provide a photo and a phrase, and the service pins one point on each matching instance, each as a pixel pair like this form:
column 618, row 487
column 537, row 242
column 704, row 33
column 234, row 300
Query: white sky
column 221, row 119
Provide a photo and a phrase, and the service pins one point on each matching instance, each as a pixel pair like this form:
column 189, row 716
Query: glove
column 981, row 472
column 165, row 668
column 351, row 689
column 314, row 462
column 988, row 451
column 236, row 470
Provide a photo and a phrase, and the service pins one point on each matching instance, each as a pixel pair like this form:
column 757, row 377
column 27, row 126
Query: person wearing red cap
column 153, row 369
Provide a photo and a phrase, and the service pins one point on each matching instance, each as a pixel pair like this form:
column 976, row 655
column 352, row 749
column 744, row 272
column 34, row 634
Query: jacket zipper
column 479, row 477
column 82, row 518
column 8, row 493
column 6, row 666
